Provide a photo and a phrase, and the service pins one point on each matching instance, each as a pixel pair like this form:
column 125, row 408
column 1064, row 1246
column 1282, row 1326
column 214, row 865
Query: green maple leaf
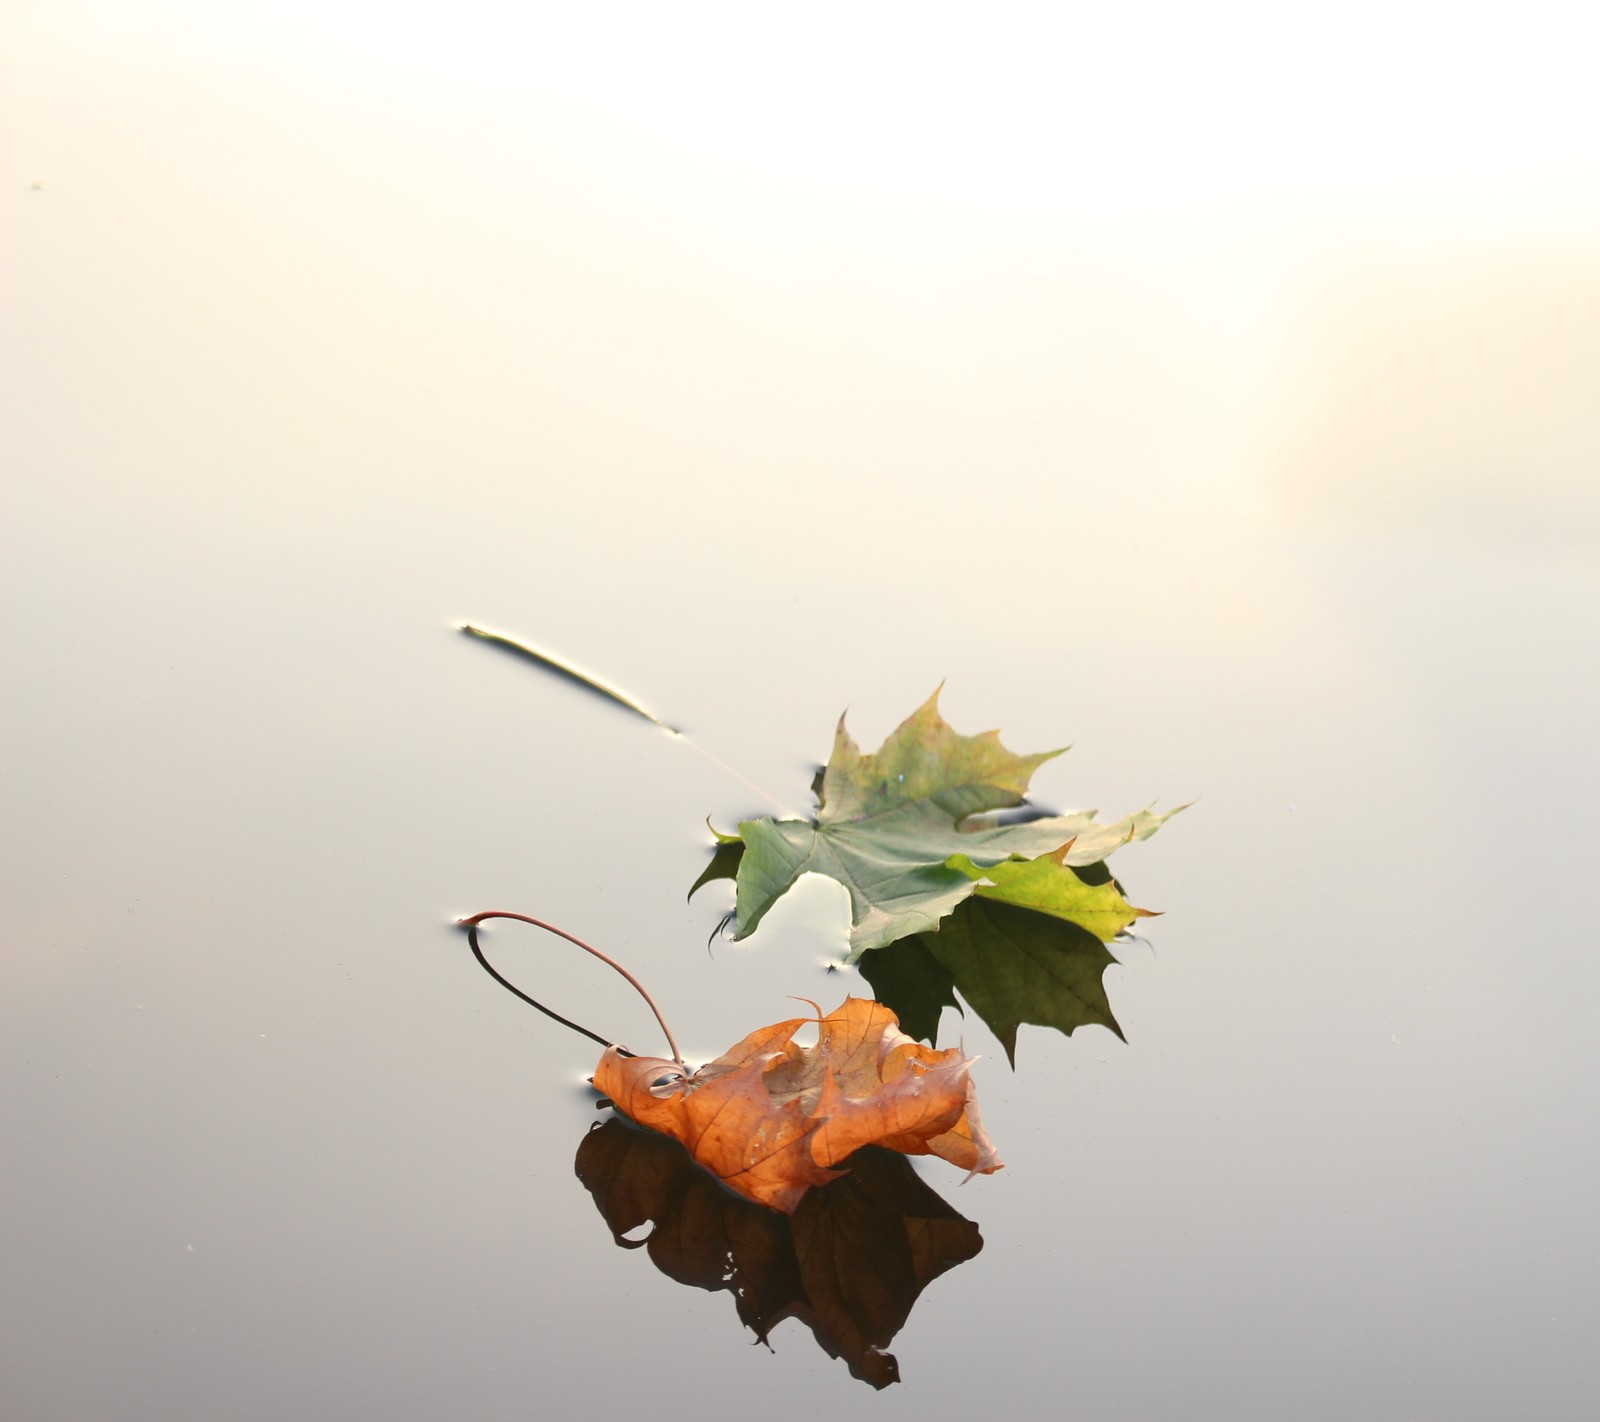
column 909, row 833
column 1011, row 965
column 1050, row 886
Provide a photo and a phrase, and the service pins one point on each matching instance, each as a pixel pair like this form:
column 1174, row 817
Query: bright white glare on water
column 1003, row 215
column 1385, row 115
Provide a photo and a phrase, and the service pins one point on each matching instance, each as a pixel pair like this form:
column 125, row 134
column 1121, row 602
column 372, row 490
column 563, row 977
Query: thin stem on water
column 471, row 924
column 567, row 669
column 572, row 672
column 515, row 991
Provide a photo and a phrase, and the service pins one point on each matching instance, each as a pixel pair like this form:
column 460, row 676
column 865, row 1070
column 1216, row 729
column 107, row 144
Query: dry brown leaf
column 771, row 1119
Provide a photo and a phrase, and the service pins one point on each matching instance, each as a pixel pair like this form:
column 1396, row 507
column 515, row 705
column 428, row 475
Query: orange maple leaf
column 770, row 1119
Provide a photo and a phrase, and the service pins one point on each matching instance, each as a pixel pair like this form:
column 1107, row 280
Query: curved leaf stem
column 471, row 925
column 515, row 991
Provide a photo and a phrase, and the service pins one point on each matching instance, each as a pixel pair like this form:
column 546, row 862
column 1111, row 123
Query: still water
column 1285, row 509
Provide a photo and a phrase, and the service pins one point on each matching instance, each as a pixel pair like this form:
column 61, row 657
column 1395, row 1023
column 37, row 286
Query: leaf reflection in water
column 849, row 1263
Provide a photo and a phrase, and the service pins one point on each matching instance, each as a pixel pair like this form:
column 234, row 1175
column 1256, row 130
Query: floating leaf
column 771, row 1119
column 912, row 983
column 850, row 1262
column 724, row 862
column 1010, row 966
column 1050, row 886
column 903, row 830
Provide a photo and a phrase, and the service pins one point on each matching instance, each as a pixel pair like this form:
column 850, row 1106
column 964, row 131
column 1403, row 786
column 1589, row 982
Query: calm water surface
column 304, row 378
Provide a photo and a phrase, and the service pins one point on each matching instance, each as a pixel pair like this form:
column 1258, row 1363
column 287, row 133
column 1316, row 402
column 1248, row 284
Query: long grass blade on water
column 563, row 668
column 570, row 671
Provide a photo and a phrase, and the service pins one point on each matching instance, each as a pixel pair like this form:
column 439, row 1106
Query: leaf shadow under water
column 850, row 1262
